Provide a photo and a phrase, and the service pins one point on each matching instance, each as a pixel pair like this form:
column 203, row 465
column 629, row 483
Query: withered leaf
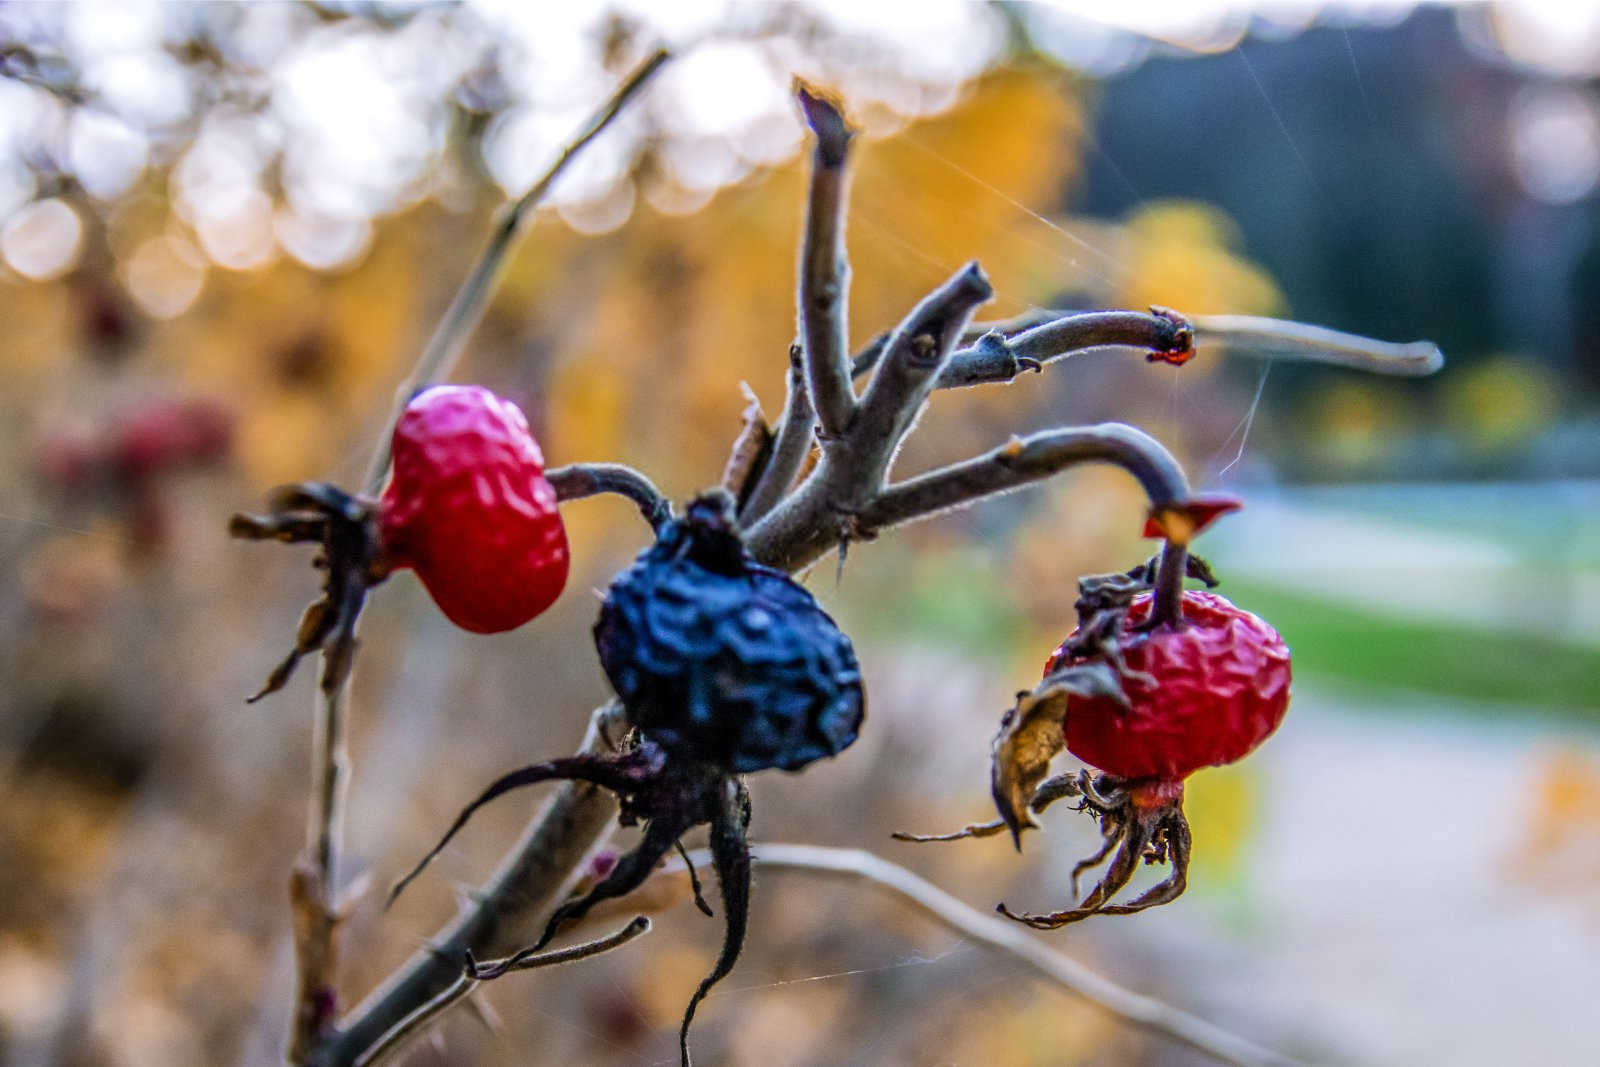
column 1032, row 733
column 751, row 449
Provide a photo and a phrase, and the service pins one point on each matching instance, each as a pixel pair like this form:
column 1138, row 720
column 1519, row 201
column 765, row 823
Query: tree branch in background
column 1317, row 344
column 1010, row 940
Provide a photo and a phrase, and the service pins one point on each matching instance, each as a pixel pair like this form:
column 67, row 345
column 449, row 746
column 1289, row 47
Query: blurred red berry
column 166, row 434
column 1202, row 694
column 469, row 509
column 68, row 458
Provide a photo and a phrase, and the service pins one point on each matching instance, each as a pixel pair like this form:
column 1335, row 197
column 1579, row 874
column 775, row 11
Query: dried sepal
column 316, row 623
column 623, row 774
column 1182, row 522
column 730, row 853
column 1048, row 792
column 1181, row 349
column 1194, row 567
column 346, row 526
column 1139, row 821
column 671, row 798
column 661, row 833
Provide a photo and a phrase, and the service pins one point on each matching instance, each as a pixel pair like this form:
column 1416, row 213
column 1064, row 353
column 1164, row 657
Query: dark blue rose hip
column 721, row 660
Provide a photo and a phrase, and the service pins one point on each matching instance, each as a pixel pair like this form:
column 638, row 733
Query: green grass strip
column 1348, row 643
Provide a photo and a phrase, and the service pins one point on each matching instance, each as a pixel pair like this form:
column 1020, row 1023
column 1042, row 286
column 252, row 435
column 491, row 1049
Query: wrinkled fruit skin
column 721, row 660
column 1222, row 685
column 469, row 509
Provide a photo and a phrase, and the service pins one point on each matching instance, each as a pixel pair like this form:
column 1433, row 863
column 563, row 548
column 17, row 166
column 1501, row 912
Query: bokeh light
column 165, row 275
column 1555, row 143
column 42, row 240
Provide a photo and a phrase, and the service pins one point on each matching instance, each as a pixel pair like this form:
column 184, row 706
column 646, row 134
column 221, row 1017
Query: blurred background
column 226, row 230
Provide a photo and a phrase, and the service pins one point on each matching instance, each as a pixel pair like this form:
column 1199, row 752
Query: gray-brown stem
column 807, row 525
column 578, row 480
column 916, row 353
column 824, row 295
column 796, row 431
column 995, row 357
column 1247, row 334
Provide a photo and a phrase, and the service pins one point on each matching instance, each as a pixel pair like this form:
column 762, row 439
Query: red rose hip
column 1202, row 694
column 1145, row 704
column 469, row 509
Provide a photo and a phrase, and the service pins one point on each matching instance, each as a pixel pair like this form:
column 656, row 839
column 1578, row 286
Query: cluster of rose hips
column 725, row 666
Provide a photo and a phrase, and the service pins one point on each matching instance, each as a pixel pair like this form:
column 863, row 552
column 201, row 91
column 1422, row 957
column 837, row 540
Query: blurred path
column 1415, row 892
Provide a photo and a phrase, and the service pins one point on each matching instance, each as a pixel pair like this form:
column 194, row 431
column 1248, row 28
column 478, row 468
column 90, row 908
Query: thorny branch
column 844, row 497
column 507, row 913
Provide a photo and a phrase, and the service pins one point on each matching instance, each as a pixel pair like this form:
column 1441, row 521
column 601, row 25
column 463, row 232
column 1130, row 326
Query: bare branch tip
column 974, row 278
column 1429, row 357
column 827, row 121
